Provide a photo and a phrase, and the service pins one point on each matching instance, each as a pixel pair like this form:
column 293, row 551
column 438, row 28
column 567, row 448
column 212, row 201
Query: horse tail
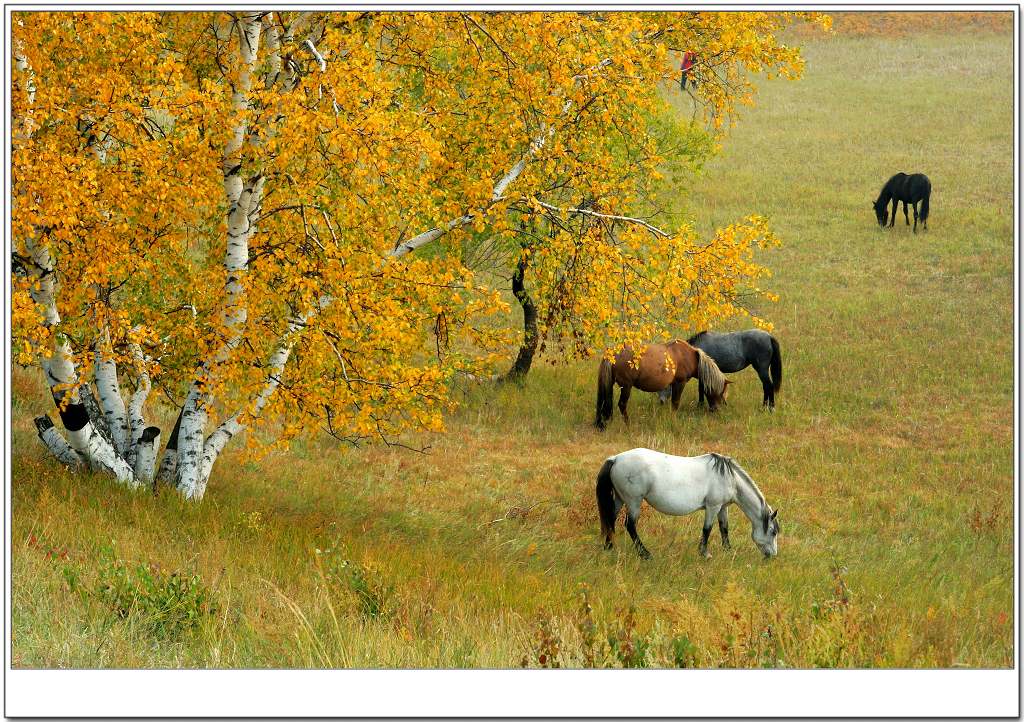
column 709, row 374
column 775, row 366
column 605, row 393
column 605, row 500
column 924, row 201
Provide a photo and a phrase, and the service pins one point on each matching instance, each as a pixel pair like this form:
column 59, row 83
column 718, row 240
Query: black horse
column 735, row 351
column 903, row 188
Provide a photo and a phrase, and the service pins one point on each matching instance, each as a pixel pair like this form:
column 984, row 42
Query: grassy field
column 890, row 455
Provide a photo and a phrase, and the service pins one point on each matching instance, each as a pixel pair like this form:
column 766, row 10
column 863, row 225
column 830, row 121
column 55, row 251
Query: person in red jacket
column 687, row 65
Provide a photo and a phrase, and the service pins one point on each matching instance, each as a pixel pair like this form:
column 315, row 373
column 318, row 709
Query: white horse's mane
column 721, row 464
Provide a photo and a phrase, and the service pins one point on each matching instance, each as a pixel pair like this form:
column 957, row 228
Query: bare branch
column 655, row 231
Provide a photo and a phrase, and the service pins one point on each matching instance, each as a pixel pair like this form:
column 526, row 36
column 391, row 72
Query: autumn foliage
column 312, row 217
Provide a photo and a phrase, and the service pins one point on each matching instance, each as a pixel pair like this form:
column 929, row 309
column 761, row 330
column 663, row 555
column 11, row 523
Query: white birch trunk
column 136, row 421
column 56, row 443
column 60, row 374
column 240, row 201
column 145, row 455
column 190, row 441
column 91, row 444
column 233, row 426
column 167, row 473
column 109, row 391
column 273, row 45
column 92, row 407
column 27, row 123
column 241, row 228
column 291, row 76
column 58, row 367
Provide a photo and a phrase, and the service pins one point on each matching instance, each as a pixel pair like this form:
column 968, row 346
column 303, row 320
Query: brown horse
column 661, row 365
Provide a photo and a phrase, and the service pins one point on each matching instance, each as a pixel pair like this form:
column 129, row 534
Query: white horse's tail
column 606, row 500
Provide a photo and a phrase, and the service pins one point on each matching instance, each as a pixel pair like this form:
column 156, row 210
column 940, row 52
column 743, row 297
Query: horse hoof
column 706, row 555
column 644, row 554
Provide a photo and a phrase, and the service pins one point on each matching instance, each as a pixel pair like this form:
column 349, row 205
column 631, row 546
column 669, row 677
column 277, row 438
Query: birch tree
column 263, row 217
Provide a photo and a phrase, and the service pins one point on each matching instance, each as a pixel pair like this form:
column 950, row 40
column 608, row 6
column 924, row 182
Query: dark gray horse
column 735, row 351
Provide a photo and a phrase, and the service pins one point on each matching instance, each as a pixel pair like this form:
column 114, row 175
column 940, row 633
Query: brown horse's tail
column 775, row 366
column 606, row 500
column 605, row 389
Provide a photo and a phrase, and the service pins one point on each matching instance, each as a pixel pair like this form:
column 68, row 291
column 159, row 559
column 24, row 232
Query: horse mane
column 887, row 190
column 724, row 465
column 695, row 336
column 709, row 373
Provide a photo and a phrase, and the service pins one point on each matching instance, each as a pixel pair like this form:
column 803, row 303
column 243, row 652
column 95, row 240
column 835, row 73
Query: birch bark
column 276, row 365
column 109, row 391
column 136, row 422
column 63, row 382
column 83, row 439
column 242, row 198
column 145, row 457
column 56, row 443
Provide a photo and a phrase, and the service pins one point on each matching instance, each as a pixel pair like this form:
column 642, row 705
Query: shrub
column 374, row 597
column 168, row 605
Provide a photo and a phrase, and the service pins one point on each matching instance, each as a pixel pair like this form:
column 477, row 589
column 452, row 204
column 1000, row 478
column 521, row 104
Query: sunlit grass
column 890, row 455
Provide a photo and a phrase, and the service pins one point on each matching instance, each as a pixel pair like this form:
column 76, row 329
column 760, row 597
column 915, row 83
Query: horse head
column 881, row 212
column 766, row 534
column 715, row 401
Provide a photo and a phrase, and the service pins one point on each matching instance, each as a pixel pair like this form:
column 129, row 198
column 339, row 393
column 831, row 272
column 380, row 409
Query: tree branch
column 655, row 231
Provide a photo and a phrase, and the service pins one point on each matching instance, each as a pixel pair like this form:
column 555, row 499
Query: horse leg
column 895, row 210
column 915, row 217
column 623, row 401
column 905, row 216
column 632, row 514
column 723, row 527
column 709, row 523
column 702, row 394
column 677, row 393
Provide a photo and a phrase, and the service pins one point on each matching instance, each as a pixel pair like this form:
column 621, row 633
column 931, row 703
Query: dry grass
column 903, row 24
column 890, row 456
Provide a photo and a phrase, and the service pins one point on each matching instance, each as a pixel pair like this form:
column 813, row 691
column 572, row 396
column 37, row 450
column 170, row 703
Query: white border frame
column 514, row 693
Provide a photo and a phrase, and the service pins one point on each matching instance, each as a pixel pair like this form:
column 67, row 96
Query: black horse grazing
column 735, row 351
column 903, row 188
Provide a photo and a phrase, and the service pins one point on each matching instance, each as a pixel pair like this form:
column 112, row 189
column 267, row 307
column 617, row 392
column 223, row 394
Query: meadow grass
column 890, row 455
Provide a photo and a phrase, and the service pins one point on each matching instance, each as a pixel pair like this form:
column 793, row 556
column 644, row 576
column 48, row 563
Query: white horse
column 680, row 485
